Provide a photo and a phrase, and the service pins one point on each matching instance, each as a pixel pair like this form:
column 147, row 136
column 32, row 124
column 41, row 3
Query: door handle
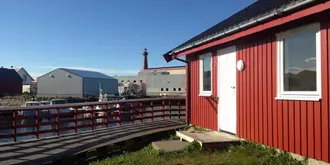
column 232, row 87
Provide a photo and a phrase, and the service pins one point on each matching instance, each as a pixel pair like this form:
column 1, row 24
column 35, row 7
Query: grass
column 196, row 128
column 246, row 153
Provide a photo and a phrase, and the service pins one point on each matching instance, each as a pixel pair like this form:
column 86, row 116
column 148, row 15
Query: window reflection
column 300, row 62
column 207, row 73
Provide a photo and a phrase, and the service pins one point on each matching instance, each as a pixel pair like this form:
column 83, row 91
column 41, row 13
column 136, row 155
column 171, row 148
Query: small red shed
column 263, row 74
column 11, row 82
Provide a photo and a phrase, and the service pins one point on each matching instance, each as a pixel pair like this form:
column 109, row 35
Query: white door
column 227, row 90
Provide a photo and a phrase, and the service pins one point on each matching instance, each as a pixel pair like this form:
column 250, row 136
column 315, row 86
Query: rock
column 170, row 145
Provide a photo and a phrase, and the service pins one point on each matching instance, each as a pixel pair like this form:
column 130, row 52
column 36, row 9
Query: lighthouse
column 145, row 59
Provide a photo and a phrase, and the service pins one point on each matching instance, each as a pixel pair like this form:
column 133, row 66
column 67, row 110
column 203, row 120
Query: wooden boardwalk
column 54, row 148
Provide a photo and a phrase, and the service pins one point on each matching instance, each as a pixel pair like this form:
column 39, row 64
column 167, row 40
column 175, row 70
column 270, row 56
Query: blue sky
column 102, row 35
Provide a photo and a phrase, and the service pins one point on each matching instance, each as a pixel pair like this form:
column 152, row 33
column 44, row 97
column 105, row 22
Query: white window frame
column 296, row 95
column 201, row 75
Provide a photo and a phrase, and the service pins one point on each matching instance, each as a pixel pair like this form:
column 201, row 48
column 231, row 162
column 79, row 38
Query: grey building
column 64, row 82
column 135, row 84
column 166, row 84
column 132, row 79
column 155, row 81
column 155, row 85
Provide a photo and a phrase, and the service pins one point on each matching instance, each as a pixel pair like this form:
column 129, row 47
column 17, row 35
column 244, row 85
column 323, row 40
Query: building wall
column 26, row 89
column 10, row 82
column 134, row 81
column 204, row 110
column 60, row 84
column 10, row 87
column 300, row 127
column 23, row 73
column 166, row 84
column 91, row 86
column 152, row 85
column 169, row 70
column 137, row 79
column 179, row 71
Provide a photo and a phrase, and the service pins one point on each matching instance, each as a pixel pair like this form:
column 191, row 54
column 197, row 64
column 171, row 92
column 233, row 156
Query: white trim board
column 298, row 95
column 201, row 91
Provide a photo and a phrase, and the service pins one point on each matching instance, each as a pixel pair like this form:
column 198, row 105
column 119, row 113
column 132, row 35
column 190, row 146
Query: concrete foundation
column 170, row 146
column 208, row 139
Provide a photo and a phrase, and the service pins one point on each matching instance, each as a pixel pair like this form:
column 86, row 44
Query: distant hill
column 303, row 81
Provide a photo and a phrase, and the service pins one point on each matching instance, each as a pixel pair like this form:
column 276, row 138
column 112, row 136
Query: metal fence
column 24, row 123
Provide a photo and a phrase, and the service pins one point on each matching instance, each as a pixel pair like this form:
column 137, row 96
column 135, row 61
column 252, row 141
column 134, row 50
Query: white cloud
column 312, row 59
column 296, row 70
column 107, row 71
column 293, row 70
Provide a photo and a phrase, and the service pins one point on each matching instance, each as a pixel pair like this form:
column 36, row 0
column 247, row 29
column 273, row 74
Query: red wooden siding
column 300, row 127
column 325, row 61
column 203, row 109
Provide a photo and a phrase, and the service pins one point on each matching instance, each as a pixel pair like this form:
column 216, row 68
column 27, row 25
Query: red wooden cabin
column 263, row 74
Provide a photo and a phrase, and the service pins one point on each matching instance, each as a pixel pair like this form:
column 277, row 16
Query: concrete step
column 213, row 140
column 170, row 145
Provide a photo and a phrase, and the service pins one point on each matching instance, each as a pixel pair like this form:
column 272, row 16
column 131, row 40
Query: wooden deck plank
column 48, row 149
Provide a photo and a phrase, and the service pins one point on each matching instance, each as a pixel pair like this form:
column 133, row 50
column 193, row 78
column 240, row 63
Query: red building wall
column 10, row 87
column 204, row 111
column 300, row 127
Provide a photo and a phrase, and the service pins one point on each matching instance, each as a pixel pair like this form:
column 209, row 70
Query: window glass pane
column 300, row 62
column 24, row 77
column 207, row 73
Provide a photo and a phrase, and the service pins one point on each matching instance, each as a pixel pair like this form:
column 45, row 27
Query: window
column 134, row 81
column 174, row 89
column 24, row 77
column 179, row 89
column 161, row 89
column 166, row 89
column 299, row 64
column 205, row 75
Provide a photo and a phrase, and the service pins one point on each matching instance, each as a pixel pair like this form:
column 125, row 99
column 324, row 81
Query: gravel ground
column 20, row 100
column 13, row 101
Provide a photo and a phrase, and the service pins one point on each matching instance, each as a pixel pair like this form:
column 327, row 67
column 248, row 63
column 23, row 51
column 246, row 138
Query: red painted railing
column 56, row 120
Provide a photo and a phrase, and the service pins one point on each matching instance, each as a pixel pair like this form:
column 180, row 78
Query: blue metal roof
column 87, row 74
